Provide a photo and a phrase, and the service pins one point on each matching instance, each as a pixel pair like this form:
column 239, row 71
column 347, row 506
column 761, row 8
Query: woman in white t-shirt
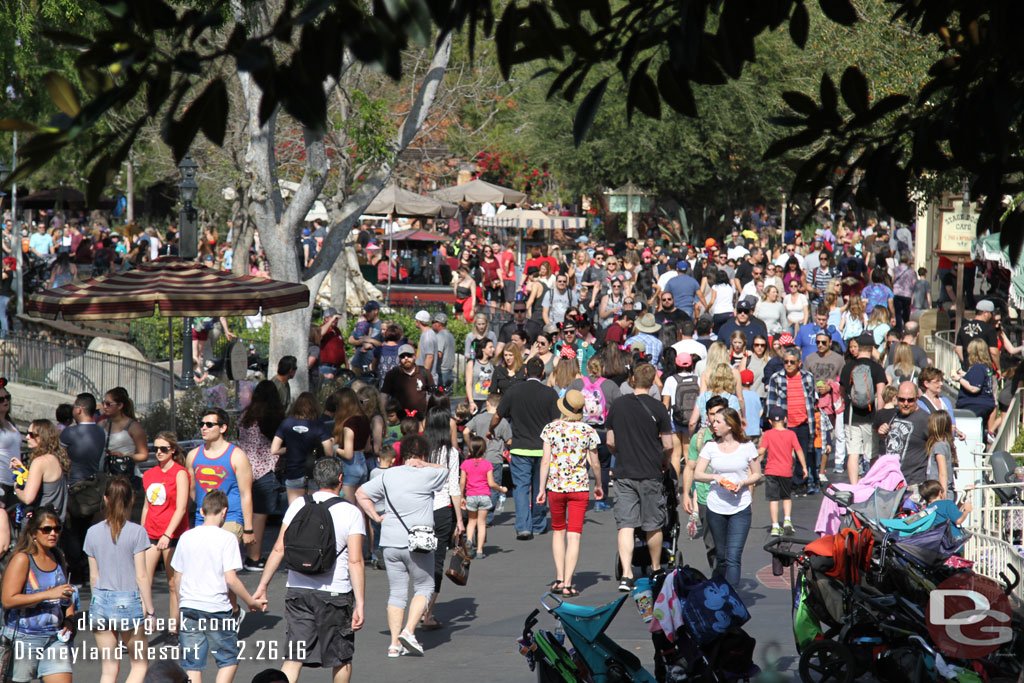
column 734, row 471
column 771, row 312
column 721, row 303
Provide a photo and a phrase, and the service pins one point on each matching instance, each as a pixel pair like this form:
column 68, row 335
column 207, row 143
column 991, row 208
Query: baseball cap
column 744, row 305
column 683, row 264
column 786, row 339
column 330, row 312
column 441, row 318
column 747, row 377
column 866, row 340
column 406, row 348
column 777, row 413
column 986, row 306
column 684, row 360
column 423, row 317
column 371, row 306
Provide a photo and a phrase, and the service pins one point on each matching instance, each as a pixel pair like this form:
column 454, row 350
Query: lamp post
column 188, row 250
column 628, row 199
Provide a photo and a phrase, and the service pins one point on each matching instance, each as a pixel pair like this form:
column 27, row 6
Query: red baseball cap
column 746, row 377
column 786, row 339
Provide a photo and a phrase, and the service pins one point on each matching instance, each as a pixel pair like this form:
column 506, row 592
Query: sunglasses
column 822, row 341
column 32, row 435
column 790, row 362
column 761, row 344
column 906, row 400
column 110, row 403
column 406, row 355
column 209, row 425
column 51, row 529
column 4, row 399
column 519, row 310
column 163, row 449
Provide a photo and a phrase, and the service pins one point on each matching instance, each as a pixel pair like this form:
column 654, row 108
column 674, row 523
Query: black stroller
column 669, row 533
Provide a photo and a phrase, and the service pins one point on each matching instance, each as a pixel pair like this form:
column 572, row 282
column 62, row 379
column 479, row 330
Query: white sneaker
column 822, row 477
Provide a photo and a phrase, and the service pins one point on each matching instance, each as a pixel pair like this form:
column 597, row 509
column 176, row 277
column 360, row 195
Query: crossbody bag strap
column 390, row 505
column 646, row 409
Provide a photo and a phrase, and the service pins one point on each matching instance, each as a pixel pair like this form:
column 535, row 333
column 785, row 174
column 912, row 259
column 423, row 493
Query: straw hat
column 571, row 405
column 646, row 323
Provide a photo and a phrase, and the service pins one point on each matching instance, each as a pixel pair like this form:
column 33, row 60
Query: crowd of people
column 620, row 367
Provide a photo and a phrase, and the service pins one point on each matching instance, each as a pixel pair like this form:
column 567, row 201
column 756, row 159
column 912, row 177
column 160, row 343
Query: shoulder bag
column 7, row 655
column 123, row 465
column 458, row 565
column 421, row 536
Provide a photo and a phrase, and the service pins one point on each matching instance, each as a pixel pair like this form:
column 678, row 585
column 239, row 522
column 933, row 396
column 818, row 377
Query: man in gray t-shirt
column 495, row 453
column 445, row 350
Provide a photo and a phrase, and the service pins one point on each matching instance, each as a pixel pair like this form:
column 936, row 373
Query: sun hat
column 571, row 405
column 647, row 323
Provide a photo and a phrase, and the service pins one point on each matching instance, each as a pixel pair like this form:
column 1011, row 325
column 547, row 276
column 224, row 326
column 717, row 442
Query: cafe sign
column 958, row 228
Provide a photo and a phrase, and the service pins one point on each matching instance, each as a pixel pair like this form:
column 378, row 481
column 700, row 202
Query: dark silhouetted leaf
column 601, row 11
column 676, row 94
column 780, row 147
column 800, row 103
column 67, row 38
column 62, row 93
column 215, row 112
column 98, row 179
column 13, row 124
column 1011, row 235
column 798, row 25
column 829, row 97
column 643, row 94
column 839, row 11
column 855, row 90
column 505, row 39
column 587, row 110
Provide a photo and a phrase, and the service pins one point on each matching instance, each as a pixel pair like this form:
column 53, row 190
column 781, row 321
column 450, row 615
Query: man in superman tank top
column 220, row 465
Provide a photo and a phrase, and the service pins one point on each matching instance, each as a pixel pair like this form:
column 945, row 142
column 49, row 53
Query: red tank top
column 162, row 494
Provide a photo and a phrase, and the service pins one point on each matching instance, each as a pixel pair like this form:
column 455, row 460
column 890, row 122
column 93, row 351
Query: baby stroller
column 669, row 534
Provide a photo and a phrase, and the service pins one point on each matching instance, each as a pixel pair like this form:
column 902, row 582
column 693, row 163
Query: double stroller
column 861, row 596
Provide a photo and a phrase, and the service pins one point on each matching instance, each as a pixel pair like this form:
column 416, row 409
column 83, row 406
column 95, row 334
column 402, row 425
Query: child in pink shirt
column 477, row 480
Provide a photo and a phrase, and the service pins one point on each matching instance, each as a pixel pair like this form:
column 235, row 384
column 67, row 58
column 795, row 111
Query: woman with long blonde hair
column 721, row 382
column 48, row 466
column 566, row 370
column 977, row 386
column 853, row 319
column 718, row 353
column 509, row 369
column 902, row 368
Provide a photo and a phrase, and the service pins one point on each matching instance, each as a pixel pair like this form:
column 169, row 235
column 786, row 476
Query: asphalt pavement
column 484, row 619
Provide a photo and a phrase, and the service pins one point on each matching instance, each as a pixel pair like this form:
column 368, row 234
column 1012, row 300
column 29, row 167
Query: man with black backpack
column 321, row 544
column 862, row 381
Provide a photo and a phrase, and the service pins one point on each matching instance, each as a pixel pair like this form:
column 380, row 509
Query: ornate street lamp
column 188, row 250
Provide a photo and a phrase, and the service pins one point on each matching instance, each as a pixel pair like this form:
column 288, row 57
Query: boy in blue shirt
column 752, row 408
column 945, row 509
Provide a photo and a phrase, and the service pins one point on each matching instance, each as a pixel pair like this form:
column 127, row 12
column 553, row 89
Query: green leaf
column 677, row 94
column 800, row 102
column 62, row 93
column 854, row 87
column 587, row 110
column 798, row 25
column 839, row 11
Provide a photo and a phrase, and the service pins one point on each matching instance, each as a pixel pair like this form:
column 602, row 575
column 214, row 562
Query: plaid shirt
column 650, row 342
column 778, row 388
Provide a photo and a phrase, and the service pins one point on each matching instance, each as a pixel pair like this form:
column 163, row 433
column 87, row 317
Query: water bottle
column 559, row 633
column 691, row 526
column 501, row 503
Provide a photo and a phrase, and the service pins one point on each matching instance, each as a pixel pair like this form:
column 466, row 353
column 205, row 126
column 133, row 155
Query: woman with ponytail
column 122, row 596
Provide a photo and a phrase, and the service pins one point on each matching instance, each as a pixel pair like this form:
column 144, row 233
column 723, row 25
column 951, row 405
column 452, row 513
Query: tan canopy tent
column 479, row 191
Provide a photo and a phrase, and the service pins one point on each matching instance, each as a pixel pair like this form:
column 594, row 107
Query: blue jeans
column 530, row 517
column 495, row 494
column 3, row 315
column 730, row 534
column 803, row 436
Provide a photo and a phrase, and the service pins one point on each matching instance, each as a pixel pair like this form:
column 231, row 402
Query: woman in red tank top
column 164, row 514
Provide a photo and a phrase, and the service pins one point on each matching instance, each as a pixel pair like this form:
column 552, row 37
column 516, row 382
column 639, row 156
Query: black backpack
column 687, row 393
column 309, row 541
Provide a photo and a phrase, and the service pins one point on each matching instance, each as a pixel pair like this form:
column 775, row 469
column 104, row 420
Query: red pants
column 571, row 506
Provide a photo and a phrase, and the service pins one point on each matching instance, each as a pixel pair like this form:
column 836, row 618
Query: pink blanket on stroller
column 884, row 474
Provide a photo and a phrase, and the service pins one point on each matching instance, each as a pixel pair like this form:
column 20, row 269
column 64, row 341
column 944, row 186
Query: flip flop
column 570, row 592
column 556, row 586
column 437, row 625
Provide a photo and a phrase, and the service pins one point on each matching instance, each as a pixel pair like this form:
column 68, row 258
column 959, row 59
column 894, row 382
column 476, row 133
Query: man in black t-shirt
column 981, row 327
column 906, row 435
column 859, row 434
column 408, row 383
column 640, row 435
column 528, row 406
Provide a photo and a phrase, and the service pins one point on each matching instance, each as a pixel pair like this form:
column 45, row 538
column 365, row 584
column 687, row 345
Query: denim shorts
column 474, row 503
column 267, row 495
column 298, row 483
column 38, row 656
column 355, row 472
column 201, row 633
column 115, row 610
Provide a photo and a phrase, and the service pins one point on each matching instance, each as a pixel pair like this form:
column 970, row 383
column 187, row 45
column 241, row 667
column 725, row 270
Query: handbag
column 6, row 659
column 122, row 465
column 458, row 565
column 85, row 497
column 421, row 536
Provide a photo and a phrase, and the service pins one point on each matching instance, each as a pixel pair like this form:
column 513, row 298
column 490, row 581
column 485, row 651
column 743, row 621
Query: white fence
column 945, row 356
column 997, row 534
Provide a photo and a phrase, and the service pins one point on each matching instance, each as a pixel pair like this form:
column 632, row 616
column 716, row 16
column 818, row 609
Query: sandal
column 432, row 626
column 570, row 592
column 395, row 651
column 557, row 586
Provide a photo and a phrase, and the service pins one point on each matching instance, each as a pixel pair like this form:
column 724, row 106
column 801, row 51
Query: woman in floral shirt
column 569, row 446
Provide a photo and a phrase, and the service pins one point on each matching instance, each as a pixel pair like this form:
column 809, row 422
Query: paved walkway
column 485, row 618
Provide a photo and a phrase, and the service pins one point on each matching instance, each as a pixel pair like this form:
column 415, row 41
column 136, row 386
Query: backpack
column 595, row 408
column 687, row 391
column 862, row 387
column 309, row 541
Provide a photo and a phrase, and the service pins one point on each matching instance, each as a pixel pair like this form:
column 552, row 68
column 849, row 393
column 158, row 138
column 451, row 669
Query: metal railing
column 997, row 534
column 72, row 369
column 945, row 356
column 1010, row 427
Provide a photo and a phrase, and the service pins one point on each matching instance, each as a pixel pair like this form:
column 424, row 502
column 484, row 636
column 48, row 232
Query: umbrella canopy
column 68, row 197
column 180, row 288
column 395, row 201
column 987, row 249
column 417, row 236
column 531, row 218
column 480, row 191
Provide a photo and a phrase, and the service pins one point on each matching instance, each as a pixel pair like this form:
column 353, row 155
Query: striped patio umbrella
column 181, row 289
